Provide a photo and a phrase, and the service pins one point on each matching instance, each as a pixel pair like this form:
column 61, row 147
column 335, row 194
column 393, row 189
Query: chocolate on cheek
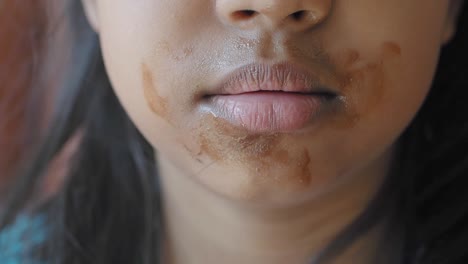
column 159, row 106
column 157, row 103
column 364, row 85
column 371, row 82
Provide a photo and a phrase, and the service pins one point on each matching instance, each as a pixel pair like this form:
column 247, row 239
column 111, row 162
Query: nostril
column 304, row 16
column 243, row 14
column 299, row 15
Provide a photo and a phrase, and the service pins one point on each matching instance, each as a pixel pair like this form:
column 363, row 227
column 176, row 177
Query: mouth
column 276, row 98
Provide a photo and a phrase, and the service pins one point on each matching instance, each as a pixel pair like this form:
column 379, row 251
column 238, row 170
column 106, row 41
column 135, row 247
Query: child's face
column 167, row 60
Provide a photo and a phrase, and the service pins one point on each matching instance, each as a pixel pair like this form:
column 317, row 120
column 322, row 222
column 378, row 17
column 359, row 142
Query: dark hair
column 108, row 210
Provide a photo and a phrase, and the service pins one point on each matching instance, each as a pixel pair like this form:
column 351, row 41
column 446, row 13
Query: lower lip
column 268, row 112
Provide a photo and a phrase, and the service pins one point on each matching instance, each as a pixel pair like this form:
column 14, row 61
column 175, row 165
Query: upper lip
column 283, row 77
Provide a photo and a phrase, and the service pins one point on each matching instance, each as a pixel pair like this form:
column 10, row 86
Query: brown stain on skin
column 184, row 54
column 175, row 54
column 210, row 148
column 391, row 49
column 266, row 46
column 281, row 157
column 362, row 85
column 365, row 89
column 156, row 103
column 260, row 154
column 351, row 58
column 305, row 175
column 225, row 142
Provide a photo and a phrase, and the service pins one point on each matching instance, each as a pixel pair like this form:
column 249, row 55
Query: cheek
column 388, row 89
column 388, row 74
column 383, row 96
column 384, row 90
column 142, row 66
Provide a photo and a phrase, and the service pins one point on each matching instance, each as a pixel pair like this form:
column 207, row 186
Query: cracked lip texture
column 264, row 98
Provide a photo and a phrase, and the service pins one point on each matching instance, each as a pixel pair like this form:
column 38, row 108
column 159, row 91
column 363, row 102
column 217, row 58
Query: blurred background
column 30, row 74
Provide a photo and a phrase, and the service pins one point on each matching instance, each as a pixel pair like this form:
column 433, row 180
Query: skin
column 271, row 197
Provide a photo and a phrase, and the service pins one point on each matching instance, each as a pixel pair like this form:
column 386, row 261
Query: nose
column 296, row 15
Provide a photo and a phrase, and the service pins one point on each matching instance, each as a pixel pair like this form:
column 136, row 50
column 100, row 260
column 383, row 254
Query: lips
column 264, row 98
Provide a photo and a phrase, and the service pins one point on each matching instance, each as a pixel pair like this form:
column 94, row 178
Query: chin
column 270, row 185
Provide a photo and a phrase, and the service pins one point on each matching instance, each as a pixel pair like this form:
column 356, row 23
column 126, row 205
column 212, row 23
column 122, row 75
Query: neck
column 202, row 227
